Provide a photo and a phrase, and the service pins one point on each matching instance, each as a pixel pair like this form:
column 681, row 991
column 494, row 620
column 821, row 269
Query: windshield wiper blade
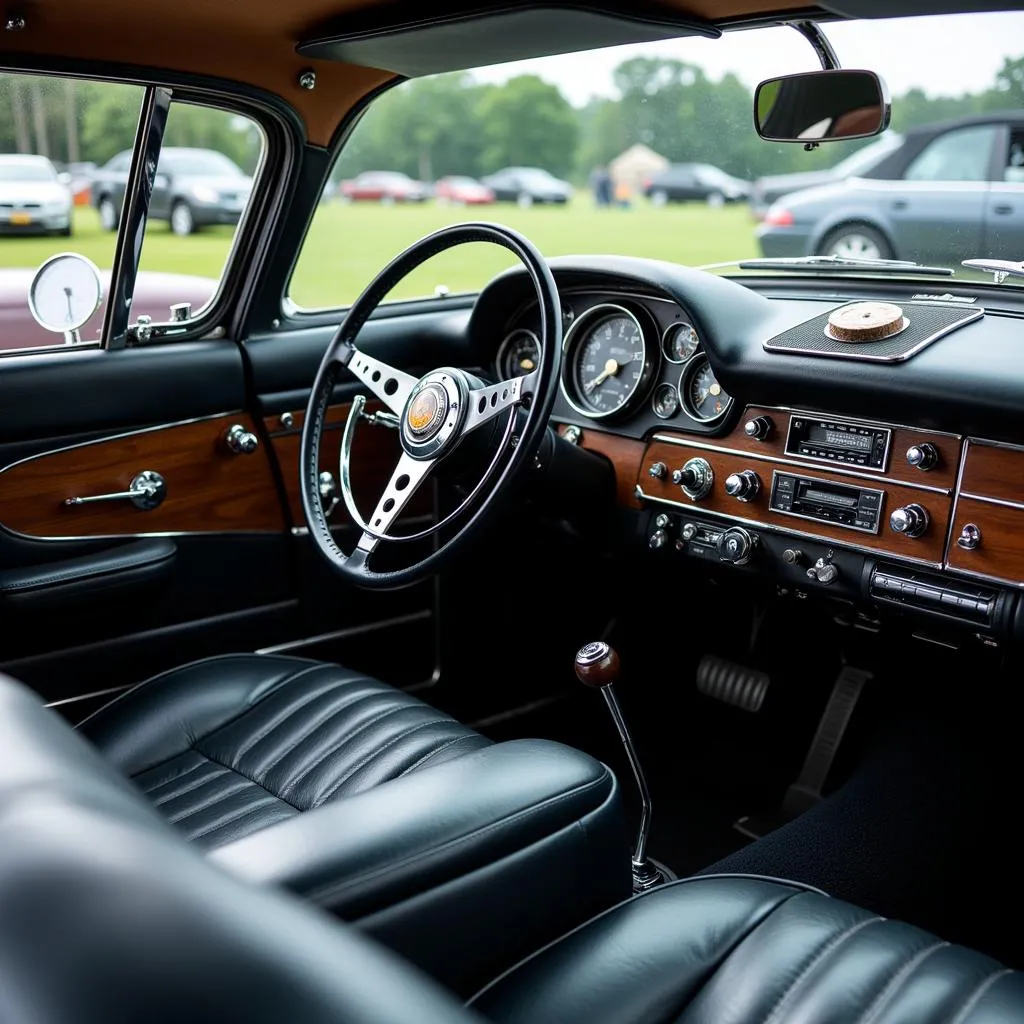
column 842, row 263
column 1000, row 269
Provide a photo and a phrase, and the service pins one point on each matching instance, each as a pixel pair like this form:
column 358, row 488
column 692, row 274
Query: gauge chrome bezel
column 569, row 346
column 68, row 328
column 504, row 346
column 690, row 370
column 668, row 332
column 673, row 389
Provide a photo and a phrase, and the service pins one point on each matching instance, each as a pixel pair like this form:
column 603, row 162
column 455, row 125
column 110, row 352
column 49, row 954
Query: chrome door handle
column 146, row 491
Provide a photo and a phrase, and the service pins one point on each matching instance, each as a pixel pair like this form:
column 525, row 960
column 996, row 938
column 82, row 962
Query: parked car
column 462, row 191
column 33, row 199
column 384, row 187
column 773, row 187
column 948, row 189
column 154, row 294
column 193, row 188
column 527, row 185
column 683, row 182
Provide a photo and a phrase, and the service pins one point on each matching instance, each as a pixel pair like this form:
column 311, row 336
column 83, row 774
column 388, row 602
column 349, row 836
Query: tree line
column 454, row 124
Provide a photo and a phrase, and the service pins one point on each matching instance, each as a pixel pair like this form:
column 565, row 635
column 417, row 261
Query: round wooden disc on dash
column 866, row 321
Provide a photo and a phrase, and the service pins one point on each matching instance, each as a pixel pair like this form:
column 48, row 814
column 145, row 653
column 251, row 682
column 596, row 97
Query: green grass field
column 349, row 244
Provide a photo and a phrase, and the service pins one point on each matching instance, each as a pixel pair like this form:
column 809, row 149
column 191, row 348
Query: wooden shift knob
column 597, row 665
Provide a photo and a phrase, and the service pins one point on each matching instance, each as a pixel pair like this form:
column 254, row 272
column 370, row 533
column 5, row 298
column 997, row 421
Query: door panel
column 1004, row 222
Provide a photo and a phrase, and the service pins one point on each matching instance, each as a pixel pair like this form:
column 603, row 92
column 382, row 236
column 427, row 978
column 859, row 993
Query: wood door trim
column 210, row 489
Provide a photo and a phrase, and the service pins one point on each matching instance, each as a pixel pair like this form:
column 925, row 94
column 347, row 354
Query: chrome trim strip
column 109, row 691
column 141, row 536
column 758, row 524
column 1005, row 502
column 342, row 634
column 1001, row 581
column 814, row 467
column 853, row 423
column 842, row 526
column 956, row 501
column 970, row 316
column 647, row 374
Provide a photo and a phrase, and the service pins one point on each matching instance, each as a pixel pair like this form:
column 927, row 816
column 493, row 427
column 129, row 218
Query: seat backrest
column 106, row 915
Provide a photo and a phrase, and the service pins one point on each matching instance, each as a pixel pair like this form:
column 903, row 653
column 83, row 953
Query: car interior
column 625, row 641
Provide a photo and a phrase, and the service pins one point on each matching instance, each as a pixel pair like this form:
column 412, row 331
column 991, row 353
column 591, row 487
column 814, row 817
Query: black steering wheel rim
column 342, row 354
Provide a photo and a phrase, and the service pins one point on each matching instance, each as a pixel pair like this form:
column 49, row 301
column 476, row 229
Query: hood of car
column 19, row 192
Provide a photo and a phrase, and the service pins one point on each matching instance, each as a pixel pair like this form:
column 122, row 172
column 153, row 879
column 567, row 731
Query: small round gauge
column 703, row 397
column 65, row 292
column 666, row 401
column 606, row 365
column 680, row 341
column 518, row 355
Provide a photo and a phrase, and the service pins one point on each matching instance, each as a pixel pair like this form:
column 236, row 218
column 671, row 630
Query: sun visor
column 481, row 37
column 914, row 8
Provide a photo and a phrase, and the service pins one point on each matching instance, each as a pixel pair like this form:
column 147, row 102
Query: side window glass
column 1014, row 170
column 961, row 155
column 55, row 136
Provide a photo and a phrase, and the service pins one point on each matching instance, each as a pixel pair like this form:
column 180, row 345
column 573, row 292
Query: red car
column 463, row 191
column 384, row 187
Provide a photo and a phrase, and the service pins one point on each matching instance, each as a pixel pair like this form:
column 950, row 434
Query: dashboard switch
column 735, row 546
column 689, row 531
column 658, row 470
column 657, row 539
column 696, row 478
column 923, row 456
column 910, row 520
column 743, row 486
column 662, row 521
column 759, row 428
column 823, row 571
column 792, row 556
column 970, row 537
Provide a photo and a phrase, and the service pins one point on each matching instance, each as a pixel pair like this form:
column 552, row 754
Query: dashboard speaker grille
column 927, row 322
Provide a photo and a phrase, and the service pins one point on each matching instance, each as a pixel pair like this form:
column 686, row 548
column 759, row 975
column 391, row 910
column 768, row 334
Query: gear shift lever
column 597, row 665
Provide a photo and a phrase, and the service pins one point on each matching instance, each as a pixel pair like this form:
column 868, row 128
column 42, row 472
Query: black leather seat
column 227, row 746
column 108, row 916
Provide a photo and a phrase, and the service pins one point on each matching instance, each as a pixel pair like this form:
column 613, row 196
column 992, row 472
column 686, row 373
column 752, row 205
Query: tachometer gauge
column 606, row 366
column 666, row 401
column 518, row 355
column 65, row 293
column 680, row 342
column 704, row 398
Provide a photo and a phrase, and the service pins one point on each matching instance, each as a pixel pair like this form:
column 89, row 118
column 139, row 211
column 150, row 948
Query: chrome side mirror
column 822, row 106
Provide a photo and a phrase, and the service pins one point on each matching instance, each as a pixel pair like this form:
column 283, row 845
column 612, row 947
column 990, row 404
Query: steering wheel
column 435, row 414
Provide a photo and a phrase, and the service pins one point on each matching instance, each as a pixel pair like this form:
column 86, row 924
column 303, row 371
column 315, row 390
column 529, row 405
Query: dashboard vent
column 927, row 322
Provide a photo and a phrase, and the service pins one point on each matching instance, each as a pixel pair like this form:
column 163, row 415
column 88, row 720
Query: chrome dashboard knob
column 658, row 470
column 759, row 428
column 910, row 520
column 743, row 486
column 923, row 456
column 970, row 537
column 735, row 546
column 696, row 478
column 240, row 440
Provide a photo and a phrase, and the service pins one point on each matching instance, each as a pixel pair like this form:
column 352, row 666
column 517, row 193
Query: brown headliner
column 248, row 41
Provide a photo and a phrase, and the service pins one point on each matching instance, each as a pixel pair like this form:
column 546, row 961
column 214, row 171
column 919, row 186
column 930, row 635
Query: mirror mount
column 811, row 31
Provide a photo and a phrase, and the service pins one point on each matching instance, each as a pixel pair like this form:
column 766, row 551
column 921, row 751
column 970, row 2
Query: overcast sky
column 942, row 55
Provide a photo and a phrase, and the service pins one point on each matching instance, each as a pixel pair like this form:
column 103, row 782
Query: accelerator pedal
column 803, row 794
column 734, row 684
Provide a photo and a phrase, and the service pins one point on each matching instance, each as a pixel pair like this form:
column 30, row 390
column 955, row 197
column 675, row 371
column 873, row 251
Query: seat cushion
column 227, row 746
column 742, row 949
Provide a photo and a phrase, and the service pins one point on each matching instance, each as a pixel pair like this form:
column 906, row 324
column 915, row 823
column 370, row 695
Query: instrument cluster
column 624, row 357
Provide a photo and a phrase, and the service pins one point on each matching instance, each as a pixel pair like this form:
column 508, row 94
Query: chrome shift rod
column 597, row 666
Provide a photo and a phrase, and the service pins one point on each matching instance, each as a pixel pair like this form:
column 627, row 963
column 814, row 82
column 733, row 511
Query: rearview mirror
column 821, row 106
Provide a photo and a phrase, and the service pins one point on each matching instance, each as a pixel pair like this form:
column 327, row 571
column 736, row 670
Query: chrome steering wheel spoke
column 487, row 402
column 391, row 386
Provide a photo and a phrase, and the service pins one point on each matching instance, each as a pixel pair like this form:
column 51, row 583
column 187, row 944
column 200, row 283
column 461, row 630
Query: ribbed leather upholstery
column 228, row 746
column 719, row 950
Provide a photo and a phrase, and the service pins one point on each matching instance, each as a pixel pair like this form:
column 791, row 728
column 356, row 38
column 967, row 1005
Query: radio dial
column 759, row 428
column 923, row 456
column 744, row 486
column 910, row 520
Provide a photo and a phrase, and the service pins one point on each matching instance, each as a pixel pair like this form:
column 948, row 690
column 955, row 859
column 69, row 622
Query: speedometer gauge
column 704, row 398
column 607, row 366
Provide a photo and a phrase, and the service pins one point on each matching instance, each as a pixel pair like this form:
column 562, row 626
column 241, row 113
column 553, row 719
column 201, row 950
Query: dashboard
column 670, row 374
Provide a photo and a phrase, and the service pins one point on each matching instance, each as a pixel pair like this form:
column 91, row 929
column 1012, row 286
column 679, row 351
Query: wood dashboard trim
column 210, row 489
column 626, row 456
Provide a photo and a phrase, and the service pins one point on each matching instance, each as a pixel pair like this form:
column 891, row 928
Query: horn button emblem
column 426, row 412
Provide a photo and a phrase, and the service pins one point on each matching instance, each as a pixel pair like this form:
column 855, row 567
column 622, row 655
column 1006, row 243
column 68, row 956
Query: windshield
column 26, row 171
column 200, row 165
column 662, row 134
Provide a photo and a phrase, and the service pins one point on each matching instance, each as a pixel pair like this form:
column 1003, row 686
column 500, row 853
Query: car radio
column 825, row 501
column 835, row 441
